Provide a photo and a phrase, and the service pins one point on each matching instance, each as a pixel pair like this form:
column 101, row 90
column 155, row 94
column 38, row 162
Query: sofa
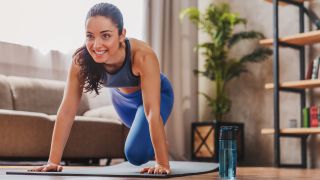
column 28, row 108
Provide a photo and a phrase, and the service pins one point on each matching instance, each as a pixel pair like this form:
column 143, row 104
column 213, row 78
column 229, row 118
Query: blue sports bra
column 124, row 76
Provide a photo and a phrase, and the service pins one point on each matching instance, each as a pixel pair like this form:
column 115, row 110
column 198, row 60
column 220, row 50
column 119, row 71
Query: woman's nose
column 97, row 43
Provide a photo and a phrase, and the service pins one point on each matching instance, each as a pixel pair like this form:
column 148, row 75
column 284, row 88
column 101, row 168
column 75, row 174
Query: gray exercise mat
column 125, row 169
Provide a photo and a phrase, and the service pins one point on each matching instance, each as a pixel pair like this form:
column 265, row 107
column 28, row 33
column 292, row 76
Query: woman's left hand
column 157, row 169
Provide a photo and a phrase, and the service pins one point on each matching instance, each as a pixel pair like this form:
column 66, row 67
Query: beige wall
column 203, row 83
column 251, row 103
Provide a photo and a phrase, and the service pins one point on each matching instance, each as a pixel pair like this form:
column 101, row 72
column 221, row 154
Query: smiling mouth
column 99, row 52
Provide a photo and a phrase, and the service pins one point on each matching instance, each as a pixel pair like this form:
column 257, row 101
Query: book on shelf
column 309, row 70
column 318, row 116
column 313, row 116
column 315, row 68
column 313, row 71
column 305, row 121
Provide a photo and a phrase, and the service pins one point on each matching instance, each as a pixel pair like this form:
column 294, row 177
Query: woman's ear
column 123, row 35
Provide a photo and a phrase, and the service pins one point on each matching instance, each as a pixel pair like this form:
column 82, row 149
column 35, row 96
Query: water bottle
column 227, row 152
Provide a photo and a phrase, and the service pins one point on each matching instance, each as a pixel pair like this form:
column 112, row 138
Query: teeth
column 100, row 52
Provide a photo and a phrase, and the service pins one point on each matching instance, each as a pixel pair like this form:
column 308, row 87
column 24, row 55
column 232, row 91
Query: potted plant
column 218, row 22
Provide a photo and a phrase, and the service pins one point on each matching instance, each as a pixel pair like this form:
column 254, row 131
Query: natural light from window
column 59, row 24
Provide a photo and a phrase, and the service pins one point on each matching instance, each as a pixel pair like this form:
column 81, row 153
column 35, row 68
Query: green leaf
column 258, row 55
column 244, row 35
column 234, row 69
column 193, row 14
column 207, row 97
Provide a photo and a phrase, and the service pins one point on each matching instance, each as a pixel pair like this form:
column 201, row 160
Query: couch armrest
column 24, row 134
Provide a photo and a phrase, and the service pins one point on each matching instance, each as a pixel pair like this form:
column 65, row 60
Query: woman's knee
column 137, row 156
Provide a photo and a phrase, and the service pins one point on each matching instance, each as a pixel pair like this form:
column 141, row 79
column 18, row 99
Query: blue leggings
column 138, row 147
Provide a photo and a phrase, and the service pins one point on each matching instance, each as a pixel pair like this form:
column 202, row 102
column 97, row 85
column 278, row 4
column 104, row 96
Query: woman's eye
column 106, row 36
column 89, row 36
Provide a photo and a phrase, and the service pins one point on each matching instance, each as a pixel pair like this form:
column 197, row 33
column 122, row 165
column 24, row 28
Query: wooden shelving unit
column 296, row 42
column 293, row 131
column 302, row 84
column 297, row 39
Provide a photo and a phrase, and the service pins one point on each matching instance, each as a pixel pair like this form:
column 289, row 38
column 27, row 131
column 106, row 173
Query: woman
column 141, row 95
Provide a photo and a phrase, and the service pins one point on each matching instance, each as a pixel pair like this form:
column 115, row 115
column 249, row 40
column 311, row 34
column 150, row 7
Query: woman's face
column 102, row 39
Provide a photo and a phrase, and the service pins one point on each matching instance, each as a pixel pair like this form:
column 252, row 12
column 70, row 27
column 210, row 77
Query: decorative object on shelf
column 219, row 22
column 205, row 144
column 293, row 123
column 315, row 68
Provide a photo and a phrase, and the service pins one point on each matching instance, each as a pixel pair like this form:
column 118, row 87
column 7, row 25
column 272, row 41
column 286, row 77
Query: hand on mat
column 49, row 167
column 158, row 169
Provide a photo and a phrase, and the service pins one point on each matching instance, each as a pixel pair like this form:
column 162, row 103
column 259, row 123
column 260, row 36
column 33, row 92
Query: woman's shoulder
column 142, row 54
column 140, row 49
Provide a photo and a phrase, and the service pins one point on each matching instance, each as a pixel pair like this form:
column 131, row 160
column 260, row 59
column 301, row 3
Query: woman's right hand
column 49, row 167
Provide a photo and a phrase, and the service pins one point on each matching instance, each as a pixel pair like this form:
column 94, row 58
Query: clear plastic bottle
column 227, row 152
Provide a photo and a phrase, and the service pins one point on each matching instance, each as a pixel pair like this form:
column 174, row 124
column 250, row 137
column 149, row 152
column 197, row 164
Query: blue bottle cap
column 228, row 132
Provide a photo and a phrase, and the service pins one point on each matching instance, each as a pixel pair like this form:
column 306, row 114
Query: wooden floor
column 247, row 173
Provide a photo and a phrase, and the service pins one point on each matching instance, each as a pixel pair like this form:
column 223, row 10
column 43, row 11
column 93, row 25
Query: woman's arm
column 150, row 87
column 66, row 113
column 65, row 118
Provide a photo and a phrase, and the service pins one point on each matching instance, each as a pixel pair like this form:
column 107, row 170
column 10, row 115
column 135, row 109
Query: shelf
column 297, row 39
column 284, row 4
column 296, row 42
column 293, row 131
column 303, row 84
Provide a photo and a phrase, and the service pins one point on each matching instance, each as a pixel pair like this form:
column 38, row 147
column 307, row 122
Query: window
column 59, row 24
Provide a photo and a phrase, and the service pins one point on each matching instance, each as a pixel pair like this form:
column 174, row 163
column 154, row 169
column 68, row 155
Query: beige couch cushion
column 40, row 95
column 103, row 112
column 103, row 99
column 5, row 94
